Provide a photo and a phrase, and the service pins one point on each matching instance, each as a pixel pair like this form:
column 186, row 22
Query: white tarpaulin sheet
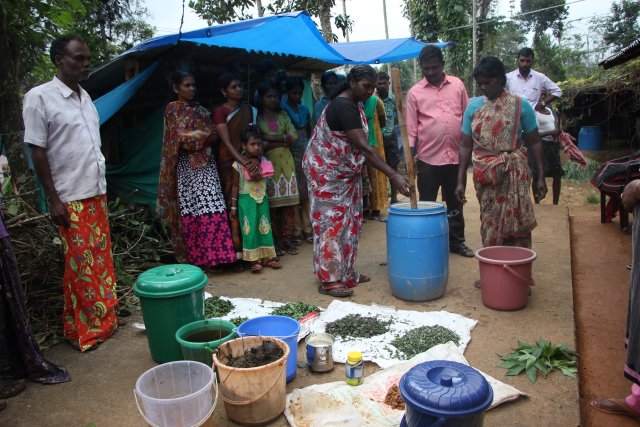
column 378, row 349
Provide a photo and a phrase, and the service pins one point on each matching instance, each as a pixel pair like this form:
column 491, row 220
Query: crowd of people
column 249, row 181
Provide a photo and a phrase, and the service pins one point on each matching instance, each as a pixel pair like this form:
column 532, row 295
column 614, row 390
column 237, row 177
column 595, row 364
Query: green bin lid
column 170, row 281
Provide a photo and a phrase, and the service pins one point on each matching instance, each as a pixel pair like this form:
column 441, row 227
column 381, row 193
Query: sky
column 367, row 15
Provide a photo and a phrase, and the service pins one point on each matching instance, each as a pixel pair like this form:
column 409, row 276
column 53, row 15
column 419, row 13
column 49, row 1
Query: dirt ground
column 101, row 391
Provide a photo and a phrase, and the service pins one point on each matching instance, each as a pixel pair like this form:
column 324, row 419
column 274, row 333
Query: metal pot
column 319, row 354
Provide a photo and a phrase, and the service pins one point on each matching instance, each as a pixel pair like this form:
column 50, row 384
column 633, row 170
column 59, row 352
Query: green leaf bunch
column 295, row 310
column 542, row 356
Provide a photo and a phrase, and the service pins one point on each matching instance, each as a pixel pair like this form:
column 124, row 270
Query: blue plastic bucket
column 418, row 250
column 444, row 393
column 589, row 138
column 281, row 327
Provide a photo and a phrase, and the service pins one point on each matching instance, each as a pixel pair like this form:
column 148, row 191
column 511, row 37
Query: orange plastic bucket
column 505, row 276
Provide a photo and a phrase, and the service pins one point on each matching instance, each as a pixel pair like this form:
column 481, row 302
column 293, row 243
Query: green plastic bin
column 170, row 297
column 200, row 339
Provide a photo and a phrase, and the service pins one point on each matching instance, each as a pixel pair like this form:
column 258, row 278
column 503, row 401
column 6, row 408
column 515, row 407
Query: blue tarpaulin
column 382, row 51
column 109, row 104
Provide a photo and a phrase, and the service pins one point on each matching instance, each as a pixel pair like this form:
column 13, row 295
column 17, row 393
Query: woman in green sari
column 376, row 120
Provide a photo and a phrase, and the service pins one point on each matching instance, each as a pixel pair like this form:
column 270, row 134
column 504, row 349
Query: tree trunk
column 324, row 13
column 10, row 106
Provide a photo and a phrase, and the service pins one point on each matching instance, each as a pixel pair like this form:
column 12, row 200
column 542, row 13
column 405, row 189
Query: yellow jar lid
column 354, row 356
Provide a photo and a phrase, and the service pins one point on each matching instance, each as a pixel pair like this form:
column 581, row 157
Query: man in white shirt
column 530, row 84
column 62, row 130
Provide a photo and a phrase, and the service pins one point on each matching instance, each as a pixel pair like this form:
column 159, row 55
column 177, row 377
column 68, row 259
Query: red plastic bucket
column 505, row 276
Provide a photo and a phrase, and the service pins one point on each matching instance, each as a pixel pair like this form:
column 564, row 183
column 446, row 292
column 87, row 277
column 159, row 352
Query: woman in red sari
column 333, row 164
column 190, row 197
column 493, row 129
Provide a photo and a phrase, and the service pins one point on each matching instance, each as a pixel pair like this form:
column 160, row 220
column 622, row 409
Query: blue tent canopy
column 382, row 51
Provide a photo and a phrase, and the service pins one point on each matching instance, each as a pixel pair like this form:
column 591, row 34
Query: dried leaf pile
column 357, row 326
column 394, row 398
column 422, row 339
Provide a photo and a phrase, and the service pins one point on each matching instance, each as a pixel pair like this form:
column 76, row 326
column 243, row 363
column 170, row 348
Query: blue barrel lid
column 424, row 208
column 170, row 281
column 446, row 389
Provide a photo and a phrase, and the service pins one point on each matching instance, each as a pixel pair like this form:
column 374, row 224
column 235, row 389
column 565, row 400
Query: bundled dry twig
column 138, row 243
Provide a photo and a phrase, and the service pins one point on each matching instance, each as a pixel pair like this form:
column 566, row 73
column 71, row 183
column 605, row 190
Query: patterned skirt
column 282, row 187
column 205, row 227
column 257, row 240
column 89, row 283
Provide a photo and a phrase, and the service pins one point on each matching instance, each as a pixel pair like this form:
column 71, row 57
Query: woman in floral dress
column 493, row 129
column 190, row 199
column 333, row 165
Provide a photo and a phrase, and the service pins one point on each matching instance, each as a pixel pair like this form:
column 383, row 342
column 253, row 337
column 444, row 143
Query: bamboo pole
column 408, row 158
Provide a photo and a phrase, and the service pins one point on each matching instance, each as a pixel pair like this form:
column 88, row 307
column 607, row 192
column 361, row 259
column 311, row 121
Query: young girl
column 278, row 133
column 250, row 206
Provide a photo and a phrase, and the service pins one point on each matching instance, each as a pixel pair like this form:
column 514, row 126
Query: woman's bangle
column 233, row 208
column 233, row 198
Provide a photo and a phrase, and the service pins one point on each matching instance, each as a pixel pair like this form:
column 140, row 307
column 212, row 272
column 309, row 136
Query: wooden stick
column 408, row 158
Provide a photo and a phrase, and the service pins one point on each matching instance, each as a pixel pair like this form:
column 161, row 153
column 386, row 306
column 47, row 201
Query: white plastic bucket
column 177, row 394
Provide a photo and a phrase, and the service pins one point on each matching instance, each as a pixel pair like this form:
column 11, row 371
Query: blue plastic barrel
column 282, row 327
column 418, row 250
column 589, row 138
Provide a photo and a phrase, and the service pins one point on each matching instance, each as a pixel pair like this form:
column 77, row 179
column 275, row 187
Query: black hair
column 490, row 66
column 264, row 87
column 357, row 73
column 264, row 66
column 178, row 77
column 60, row 43
column 251, row 131
column 430, row 51
column 293, row 82
column 226, row 78
column 526, row 52
column 382, row 75
column 326, row 76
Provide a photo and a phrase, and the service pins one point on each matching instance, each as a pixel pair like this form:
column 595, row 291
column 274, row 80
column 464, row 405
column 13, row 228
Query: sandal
column 615, row 407
column 296, row 241
column 463, row 250
column 11, row 389
column 256, row 267
column 335, row 289
column 290, row 248
column 309, row 239
column 363, row 278
column 273, row 263
column 238, row 267
column 280, row 252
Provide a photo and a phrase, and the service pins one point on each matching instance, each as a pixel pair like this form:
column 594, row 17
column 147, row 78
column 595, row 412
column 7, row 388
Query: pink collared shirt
column 434, row 120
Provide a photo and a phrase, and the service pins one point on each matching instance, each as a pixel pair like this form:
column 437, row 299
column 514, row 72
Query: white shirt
column 546, row 122
column 532, row 87
column 68, row 129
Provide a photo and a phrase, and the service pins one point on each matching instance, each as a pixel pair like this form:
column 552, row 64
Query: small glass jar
column 354, row 369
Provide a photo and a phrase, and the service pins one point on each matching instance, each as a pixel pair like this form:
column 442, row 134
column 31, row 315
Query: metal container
column 319, row 354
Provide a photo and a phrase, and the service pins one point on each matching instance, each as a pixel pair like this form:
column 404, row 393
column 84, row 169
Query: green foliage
column 406, row 74
column 548, row 58
column 581, row 173
column 541, row 356
column 222, row 11
column 295, row 310
column 421, row 339
column 542, row 20
column 622, row 26
column 217, row 307
column 593, row 198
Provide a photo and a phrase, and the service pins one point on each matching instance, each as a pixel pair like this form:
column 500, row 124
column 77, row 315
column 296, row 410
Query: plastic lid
column 169, row 281
column 424, row 208
column 446, row 388
column 354, row 356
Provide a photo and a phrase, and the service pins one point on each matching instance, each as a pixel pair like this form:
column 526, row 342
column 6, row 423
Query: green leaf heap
column 542, row 356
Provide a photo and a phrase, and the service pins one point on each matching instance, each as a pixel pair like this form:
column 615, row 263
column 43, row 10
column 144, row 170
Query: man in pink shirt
column 435, row 106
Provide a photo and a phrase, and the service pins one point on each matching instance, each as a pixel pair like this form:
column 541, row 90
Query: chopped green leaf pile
column 295, row 310
column 238, row 320
column 422, row 339
column 217, row 307
column 541, row 356
column 357, row 326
